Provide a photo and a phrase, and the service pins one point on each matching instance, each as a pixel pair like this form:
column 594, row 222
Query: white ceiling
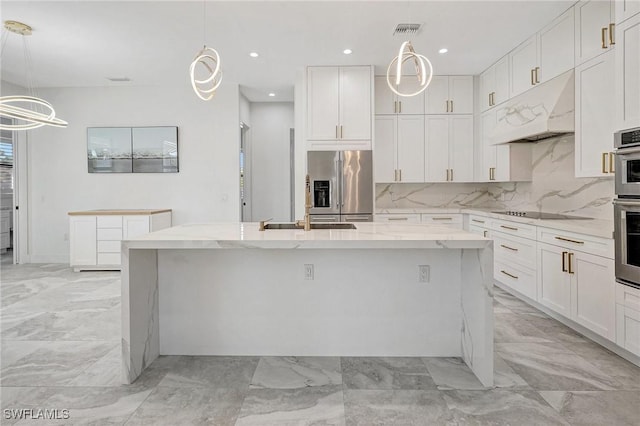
column 81, row 43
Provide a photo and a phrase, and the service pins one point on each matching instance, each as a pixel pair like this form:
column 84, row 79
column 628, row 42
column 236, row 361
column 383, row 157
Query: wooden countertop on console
column 118, row 212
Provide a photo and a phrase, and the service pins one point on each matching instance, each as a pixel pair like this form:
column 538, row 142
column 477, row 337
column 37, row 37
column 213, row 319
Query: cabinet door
column 594, row 116
column 628, row 328
column 487, row 123
column 593, row 293
column 554, row 283
column 501, row 88
column 355, row 103
column 411, row 148
column 322, row 103
column 461, row 94
column 625, row 9
column 437, row 95
column 385, row 99
column 502, row 171
column 82, row 240
column 591, row 16
column 522, row 60
column 436, row 148
column 133, row 226
column 556, row 46
column 487, row 83
column 385, row 150
column 411, row 104
column 628, row 73
column 461, row 148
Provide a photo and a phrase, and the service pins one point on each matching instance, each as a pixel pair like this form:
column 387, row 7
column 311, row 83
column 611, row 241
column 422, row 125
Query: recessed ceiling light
column 272, row 94
column 443, row 50
column 347, row 51
column 254, row 54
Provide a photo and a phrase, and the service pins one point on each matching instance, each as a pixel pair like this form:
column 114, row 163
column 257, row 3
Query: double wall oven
column 626, row 207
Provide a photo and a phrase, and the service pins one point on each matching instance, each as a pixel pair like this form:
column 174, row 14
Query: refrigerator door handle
column 338, row 195
column 341, row 183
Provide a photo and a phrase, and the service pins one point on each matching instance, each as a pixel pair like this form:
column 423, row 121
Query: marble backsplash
column 554, row 189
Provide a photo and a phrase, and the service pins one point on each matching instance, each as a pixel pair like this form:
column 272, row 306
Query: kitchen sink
column 289, row 225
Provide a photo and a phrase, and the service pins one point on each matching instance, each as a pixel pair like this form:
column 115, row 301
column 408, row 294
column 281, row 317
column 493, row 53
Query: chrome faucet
column 306, row 223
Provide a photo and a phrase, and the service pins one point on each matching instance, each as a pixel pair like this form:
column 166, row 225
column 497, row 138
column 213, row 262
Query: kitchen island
column 378, row 290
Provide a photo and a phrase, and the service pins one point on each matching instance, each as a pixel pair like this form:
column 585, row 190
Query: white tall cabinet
column 96, row 236
column 399, row 153
column 449, row 148
column 594, row 29
column 627, row 73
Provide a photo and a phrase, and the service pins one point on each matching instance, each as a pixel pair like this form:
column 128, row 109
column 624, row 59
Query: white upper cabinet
column 385, row 153
column 387, row 102
column 461, row 148
column 594, row 117
column 399, row 153
column 449, row 148
column 437, row 148
column 625, row 9
column 339, row 103
column 544, row 55
column 627, row 74
column 450, row 95
column 594, row 29
column 494, row 84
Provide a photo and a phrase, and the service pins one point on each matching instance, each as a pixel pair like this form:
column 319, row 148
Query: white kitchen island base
column 207, row 292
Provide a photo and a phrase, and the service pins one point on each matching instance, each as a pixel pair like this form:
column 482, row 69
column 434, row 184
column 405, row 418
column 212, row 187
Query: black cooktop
column 540, row 215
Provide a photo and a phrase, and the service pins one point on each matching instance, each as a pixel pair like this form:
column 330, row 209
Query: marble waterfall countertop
column 366, row 235
column 594, row 227
column 118, row 212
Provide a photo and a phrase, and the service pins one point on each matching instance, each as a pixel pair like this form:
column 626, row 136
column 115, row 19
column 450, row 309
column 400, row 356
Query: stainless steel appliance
column 627, row 170
column 341, row 186
column 541, row 215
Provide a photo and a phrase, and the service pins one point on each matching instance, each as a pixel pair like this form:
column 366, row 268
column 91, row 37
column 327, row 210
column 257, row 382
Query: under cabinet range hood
column 539, row 113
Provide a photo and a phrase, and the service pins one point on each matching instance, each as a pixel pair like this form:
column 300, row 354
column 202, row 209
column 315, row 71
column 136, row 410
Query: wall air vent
column 407, row 29
column 118, row 79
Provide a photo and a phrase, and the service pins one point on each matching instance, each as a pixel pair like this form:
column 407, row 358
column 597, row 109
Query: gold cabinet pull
column 400, row 106
column 452, row 173
column 489, row 99
column 341, row 134
column 447, row 175
column 532, row 80
column 400, row 175
column 570, row 256
column 451, row 106
column 569, row 240
column 397, row 218
column 484, row 233
column 395, row 106
column 604, row 162
column 564, row 264
column 395, row 175
column 509, row 275
column 477, row 221
column 612, row 37
column 336, row 131
column 611, row 163
column 447, row 103
column 441, row 218
column 511, row 228
column 537, row 69
column 604, row 36
column 508, row 248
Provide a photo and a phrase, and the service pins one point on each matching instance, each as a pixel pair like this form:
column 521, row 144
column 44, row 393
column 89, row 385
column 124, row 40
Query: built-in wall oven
column 626, row 207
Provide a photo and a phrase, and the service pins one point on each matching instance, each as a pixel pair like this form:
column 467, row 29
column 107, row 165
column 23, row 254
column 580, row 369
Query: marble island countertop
column 366, row 235
column 594, row 227
column 118, row 212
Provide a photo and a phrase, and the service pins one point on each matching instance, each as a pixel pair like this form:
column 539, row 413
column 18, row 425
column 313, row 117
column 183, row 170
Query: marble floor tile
column 189, row 406
column 552, row 329
column 510, row 328
column 549, row 367
column 55, row 364
column 104, row 325
column 12, row 351
column 615, row 366
column 505, row 377
column 596, row 408
column 395, row 407
column 386, row 373
column 107, row 371
column 296, row 372
column 49, row 326
column 321, row 405
column 501, row 407
column 452, row 373
column 209, row 371
column 24, row 289
column 16, row 398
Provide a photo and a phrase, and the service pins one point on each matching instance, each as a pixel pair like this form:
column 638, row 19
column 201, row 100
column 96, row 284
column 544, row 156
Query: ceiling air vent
column 407, row 29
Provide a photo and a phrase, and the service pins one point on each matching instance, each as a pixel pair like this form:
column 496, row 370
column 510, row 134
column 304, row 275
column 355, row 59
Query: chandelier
column 208, row 60
column 421, row 63
column 25, row 112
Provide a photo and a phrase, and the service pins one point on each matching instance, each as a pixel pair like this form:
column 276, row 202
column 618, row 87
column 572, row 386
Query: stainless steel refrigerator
column 341, row 186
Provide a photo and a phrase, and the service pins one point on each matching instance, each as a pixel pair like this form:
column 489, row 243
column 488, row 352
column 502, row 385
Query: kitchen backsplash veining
column 554, row 189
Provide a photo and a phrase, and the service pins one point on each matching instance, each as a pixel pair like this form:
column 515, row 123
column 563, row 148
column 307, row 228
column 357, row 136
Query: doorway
column 7, row 188
column 245, row 186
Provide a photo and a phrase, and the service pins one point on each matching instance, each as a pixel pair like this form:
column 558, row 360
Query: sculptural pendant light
column 424, row 69
column 29, row 111
column 207, row 59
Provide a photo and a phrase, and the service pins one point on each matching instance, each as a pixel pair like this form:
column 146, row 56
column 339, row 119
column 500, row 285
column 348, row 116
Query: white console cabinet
column 96, row 235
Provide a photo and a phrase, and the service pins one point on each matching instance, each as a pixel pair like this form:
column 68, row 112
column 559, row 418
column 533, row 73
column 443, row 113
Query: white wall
column 270, row 164
column 205, row 190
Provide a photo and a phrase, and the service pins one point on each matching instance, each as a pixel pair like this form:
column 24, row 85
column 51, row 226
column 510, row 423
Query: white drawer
column 578, row 242
column 522, row 280
column 480, row 231
column 510, row 248
column 628, row 296
column 479, row 221
column 110, row 234
column 514, row 228
column 397, row 218
column 109, row 222
column 108, row 258
column 109, row 246
column 453, row 220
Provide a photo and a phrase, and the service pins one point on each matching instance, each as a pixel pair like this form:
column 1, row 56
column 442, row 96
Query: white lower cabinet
column 628, row 318
column 83, row 241
column 397, row 218
column 448, row 220
column 515, row 276
column 554, row 283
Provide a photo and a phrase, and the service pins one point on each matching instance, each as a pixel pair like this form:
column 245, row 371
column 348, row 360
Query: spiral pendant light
column 423, row 67
column 207, row 60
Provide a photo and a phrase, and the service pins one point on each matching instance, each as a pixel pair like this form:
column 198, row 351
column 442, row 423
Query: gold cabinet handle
column 490, row 99
column 400, row 107
column 451, row 106
column 509, row 275
column 612, row 37
column 395, row 106
column 564, row 264
column 452, row 170
column 604, row 162
column 447, row 175
column 611, row 163
column 477, row 221
column 397, row 218
column 570, row 256
column 508, row 248
column 537, row 69
column 395, row 175
column 341, row 134
column 336, row 131
column 484, row 233
column 441, row 218
column 447, row 103
column 400, row 175
column 511, row 228
column 532, row 80
column 569, row 240
column 604, row 36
